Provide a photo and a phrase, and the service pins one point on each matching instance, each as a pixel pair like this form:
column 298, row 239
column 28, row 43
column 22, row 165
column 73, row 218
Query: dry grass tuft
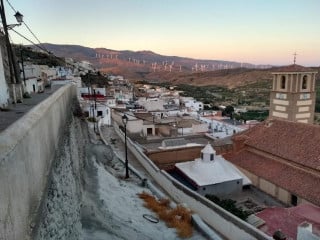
column 179, row 217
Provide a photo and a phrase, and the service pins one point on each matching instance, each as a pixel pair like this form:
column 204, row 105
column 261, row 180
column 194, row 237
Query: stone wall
column 60, row 212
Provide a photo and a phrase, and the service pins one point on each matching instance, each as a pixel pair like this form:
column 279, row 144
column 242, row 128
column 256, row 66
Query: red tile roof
column 294, row 180
column 293, row 68
column 288, row 219
column 296, row 142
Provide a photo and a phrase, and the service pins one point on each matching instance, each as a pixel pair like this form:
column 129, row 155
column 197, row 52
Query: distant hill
column 150, row 66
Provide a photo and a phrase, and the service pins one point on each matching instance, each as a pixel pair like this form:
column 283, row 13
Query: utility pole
column 14, row 77
column 22, row 65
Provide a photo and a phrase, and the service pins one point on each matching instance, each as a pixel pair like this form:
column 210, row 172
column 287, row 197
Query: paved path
column 118, row 147
column 16, row 111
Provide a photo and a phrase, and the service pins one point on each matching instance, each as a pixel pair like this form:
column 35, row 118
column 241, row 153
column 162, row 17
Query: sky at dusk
column 254, row 31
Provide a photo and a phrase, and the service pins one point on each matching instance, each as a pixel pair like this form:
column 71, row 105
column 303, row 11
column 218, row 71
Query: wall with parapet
column 27, row 149
column 219, row 219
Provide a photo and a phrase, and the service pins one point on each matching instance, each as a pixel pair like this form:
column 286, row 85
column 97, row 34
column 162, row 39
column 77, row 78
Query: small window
column 211, row 157
column 294, row 200
column 283, row 82
column 99, row 113
column 305, row 82
column 201, row 155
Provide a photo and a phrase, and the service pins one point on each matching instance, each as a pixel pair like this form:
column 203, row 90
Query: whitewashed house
column 47, row 74
column 134, row 125
column 65, row 80
column 151, row 104
column 192, row 105
column 32, row 78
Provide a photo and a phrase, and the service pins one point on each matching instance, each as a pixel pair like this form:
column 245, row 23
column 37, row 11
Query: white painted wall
column 4, row 90
column 29, row 85
column 305, row 232
column 152, row 105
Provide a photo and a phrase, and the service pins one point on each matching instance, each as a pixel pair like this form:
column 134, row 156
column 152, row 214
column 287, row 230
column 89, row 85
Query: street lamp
column 19, row 18
column 125, row 121
column 14, row 77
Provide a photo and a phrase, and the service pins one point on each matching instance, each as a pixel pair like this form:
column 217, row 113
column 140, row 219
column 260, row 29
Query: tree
column 229, row 110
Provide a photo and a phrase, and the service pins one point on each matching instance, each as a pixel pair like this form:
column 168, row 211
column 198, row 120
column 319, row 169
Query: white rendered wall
column 4, row 91
column 27, row 149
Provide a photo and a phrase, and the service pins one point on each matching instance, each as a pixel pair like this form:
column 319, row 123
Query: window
column 305, row 82
column 294, row 200
column 305, row 96
column 201, row 155
column 211, row 157
column 99, row 113
column 283, row 82
column 281, row 96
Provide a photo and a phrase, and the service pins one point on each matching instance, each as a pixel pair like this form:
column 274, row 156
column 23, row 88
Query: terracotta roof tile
column 295, row 180
column 288, row 219
column 297, row 142
column 293, row 68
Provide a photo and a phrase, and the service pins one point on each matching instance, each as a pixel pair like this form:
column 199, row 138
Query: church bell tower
column 293, row 94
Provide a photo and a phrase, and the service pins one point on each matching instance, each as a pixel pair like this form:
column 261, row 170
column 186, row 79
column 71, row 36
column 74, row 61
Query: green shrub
column 229, row 205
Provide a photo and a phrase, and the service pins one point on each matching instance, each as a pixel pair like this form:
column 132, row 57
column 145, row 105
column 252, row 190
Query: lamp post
column 125, row 121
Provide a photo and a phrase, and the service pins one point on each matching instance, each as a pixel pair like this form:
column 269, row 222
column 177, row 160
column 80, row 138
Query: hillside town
column 268, row 169
column 91, row 154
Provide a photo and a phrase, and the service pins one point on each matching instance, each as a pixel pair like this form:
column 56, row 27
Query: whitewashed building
column 151, row 104
column 66, row 80
column 32, row 78
column 4, row 90
column 192, row 104
column 212, row 174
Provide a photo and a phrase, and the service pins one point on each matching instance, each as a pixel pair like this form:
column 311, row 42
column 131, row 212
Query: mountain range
column 150, row 66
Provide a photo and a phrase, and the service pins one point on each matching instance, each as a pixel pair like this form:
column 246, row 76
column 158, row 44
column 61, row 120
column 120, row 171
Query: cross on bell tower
column 295, row 57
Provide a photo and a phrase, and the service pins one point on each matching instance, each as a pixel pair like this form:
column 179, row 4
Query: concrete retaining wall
column 224, row 222
column 27, row 149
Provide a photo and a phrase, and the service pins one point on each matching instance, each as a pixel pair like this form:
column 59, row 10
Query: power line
column 43, row 48
column 32, row 33
column 11, row 6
